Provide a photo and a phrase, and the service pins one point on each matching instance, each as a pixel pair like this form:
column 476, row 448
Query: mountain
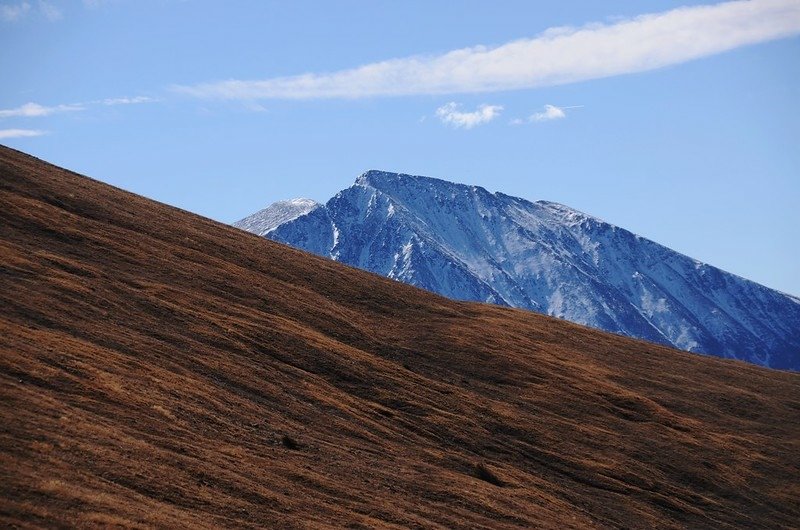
column 162, row 370
column 468, row 244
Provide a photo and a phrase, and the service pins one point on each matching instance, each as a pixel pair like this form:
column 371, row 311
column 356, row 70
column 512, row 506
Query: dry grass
column 153, row 365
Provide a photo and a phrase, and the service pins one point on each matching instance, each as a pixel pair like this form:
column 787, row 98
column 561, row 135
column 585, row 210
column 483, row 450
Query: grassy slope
column 156, row 368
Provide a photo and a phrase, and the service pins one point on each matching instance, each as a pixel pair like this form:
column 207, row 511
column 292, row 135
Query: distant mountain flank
column 469, row 244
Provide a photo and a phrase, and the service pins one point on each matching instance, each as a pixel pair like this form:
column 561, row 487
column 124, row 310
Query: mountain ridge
column 467, row 243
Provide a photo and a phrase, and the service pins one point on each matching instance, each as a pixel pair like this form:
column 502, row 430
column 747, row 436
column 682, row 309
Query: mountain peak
column 370, row 176
column 378, row 179
column 265, row 221
column 470, row 244
column 405, row 185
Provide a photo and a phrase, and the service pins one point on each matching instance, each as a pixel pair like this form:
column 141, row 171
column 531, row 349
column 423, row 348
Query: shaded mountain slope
column 161, row 369
column 468, row 244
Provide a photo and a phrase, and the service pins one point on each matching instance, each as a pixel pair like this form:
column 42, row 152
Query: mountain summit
column 469, row 244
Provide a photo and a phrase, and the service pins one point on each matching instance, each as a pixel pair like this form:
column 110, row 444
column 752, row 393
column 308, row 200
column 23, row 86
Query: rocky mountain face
column 469, row 244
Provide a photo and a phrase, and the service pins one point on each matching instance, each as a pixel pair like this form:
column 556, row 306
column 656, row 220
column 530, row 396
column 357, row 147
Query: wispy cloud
column 14, row 12
column 50, row 11
column 252, row 106
column 34, row 110
column 31, row 110
column 94, row 4
column 128, row 101
column 451, row 115
column 20, row 133
column 557, row 56
column 548, row 113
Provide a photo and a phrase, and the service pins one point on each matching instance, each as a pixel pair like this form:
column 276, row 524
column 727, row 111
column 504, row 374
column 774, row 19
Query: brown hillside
column 161, row 369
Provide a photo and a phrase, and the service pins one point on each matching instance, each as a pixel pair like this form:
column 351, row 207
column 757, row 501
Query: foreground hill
column 466, row 243
column 161, row 369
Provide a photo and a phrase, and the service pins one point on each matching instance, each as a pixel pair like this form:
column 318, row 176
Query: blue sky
column 682, row 126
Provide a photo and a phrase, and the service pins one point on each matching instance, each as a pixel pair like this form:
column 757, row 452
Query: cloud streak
column 109, row 102
column 50, row 11
column 451, row 115
column 20, row 133
column 94, row 4
column 33, row 110
column 14, row 12
column 557, row 56
column 550, row 112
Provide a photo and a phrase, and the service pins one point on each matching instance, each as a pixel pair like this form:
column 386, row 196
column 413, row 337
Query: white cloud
column 550, row 112
column 451, row 115
column 31, row 110
column 128, row 101
column 254, row 107
column 557, row 56
column 94, row 4
column 20, row 133
column 50, row 11
column 13, row 12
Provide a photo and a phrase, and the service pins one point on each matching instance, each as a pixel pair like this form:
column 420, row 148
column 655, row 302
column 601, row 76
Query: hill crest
column 160, row 369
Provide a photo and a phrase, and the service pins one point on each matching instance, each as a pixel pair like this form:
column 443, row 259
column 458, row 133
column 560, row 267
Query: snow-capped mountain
column 466, row 243
column 278, row 213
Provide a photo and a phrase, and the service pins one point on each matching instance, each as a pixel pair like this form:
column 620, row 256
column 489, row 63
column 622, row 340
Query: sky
column 677, row 120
